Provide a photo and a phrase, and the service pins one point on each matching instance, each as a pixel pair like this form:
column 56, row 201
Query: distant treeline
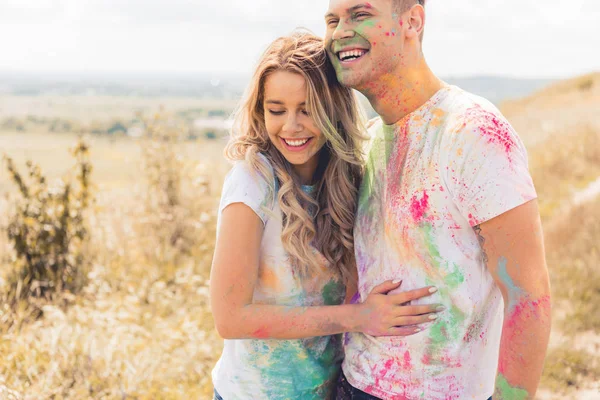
column 213, row 86
column 131, row 127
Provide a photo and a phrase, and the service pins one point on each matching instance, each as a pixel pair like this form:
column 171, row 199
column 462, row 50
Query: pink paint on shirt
column 494, row 129
column 419, row 207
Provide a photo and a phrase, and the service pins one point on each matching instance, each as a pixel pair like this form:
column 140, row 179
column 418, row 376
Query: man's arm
column 513, row 248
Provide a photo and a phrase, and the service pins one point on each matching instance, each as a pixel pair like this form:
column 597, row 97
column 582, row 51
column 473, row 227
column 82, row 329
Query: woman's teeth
column 295, row 143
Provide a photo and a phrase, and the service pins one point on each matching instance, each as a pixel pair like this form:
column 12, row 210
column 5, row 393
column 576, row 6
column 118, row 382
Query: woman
column 283, row 261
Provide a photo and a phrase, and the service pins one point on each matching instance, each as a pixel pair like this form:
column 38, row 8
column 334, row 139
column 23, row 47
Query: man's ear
column 416, row 21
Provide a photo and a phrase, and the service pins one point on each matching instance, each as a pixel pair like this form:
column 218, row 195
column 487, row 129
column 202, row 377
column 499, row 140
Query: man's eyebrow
column 352, row 9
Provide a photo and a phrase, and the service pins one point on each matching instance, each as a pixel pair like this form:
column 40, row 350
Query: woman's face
column 289, row 125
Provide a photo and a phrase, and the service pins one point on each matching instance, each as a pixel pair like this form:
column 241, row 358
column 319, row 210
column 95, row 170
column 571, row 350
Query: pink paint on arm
column 261, row 333
column 517, row 321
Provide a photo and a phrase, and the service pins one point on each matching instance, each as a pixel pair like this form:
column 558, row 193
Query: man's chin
column 350, row 79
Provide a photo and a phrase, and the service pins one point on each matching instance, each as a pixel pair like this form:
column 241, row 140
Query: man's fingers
column 404, row 297
column 386, row 286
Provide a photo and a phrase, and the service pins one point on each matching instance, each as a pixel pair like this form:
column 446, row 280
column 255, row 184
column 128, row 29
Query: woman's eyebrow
column 281, row 103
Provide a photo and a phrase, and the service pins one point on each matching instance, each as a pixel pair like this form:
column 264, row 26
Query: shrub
column 176, row 199
column 47, row 230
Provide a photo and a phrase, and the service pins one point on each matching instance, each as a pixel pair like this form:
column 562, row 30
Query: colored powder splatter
column 454, row 279
column 407, row 365
column 368, row 23
column 513, row 290
column 516, row 322
column 419, row 207
column 261, row 333
column 494, row 129
column 333, row 293
column 504, row 391
column 292, row 371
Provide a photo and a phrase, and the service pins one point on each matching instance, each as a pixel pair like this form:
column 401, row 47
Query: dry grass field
column 141, row 327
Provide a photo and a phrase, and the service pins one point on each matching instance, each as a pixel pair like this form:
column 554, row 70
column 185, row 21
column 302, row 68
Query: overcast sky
column 521, row 38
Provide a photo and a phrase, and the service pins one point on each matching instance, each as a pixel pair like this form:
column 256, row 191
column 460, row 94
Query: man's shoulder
column 463, row 105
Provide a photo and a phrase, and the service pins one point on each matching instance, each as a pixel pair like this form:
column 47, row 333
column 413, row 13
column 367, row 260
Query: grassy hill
column 560, row 125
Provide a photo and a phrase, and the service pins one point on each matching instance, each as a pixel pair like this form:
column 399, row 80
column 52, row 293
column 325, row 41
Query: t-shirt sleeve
column 487, row 168
column 245, row 185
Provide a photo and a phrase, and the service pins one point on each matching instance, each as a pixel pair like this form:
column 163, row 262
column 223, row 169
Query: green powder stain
column 366, row 24
column 504, row 390
column 448, row 328
column 430, row 243
column 454, row 279
column 333, row 293
column 366, row 187
column 292, row 373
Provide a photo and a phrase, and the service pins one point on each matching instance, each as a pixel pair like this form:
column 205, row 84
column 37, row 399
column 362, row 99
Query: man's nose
column 342, row 31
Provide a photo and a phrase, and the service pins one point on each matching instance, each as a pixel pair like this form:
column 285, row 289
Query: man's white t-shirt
column 443, row 169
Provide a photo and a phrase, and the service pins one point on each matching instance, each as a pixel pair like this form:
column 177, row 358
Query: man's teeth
column 352, row 54
column 295, row 143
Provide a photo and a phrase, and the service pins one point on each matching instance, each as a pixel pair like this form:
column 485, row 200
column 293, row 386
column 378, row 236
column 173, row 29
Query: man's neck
column 395, row 95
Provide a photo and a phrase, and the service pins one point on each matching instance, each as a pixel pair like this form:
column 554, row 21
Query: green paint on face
column 333, row 293
column 504, row 390
column 370, row 23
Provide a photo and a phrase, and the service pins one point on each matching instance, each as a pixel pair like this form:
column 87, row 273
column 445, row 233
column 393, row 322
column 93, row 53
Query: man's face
column 364, row 40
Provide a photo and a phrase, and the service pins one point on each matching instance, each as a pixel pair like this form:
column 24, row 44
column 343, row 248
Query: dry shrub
column 573, row 253
column 141, row 328
column 567, row 369
column 174, row 193
column 563, row 165
column 47, row 230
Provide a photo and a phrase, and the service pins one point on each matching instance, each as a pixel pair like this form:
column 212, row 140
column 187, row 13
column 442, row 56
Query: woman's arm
column 234, row 275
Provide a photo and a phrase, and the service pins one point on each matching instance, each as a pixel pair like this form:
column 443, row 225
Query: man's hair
column 401, row 6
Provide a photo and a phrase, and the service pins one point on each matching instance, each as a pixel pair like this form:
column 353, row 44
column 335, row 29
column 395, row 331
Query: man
column 447, row 200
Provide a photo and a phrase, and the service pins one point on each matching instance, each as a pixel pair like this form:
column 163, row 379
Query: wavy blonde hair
column 325, row 221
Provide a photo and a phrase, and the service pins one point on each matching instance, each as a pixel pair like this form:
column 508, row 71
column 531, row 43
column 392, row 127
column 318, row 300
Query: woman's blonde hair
column 326, row 220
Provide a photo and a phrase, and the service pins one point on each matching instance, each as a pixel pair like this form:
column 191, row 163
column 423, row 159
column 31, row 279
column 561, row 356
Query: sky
column 516, row 38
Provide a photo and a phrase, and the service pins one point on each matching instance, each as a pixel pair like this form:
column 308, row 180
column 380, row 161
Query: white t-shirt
column 278, row 369
column 450, row 165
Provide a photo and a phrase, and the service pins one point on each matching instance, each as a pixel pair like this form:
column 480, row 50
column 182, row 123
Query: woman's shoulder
column 250, row 182
column 258, row 169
